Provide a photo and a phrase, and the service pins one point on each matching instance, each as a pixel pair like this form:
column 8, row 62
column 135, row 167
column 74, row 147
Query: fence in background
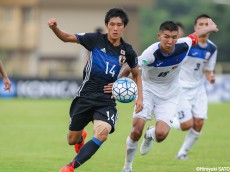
column 63, row 88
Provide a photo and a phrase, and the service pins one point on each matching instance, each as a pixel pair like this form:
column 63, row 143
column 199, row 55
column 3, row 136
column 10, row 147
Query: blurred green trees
column 186, row 11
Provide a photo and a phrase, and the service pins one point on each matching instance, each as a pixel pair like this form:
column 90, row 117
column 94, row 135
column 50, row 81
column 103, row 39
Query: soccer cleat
column 78, row 146
column 182, row 157
column 146, row 144
column 127, row 167
column 67, row 168
column 126, row 170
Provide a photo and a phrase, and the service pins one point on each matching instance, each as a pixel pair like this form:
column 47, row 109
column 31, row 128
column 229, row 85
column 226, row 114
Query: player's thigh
column 80, row 114
column 73, row 137
column 185, row 104
column 165, row 110
column 107, row 114
column 162, row 130
column 201, row 106
column 101, row 129
column 148, row 105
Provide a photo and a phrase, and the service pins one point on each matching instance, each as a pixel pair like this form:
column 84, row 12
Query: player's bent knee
column 71, row 141
column 186, row 125
column 73, row 137
column 136, row 134
column 199, row 122
column 101, row 130
column 161, row 135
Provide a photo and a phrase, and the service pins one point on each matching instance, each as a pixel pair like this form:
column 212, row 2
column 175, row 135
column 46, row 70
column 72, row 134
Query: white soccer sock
column 151, row 133
column 176, row 123
column 189, row 141
column 131, row 147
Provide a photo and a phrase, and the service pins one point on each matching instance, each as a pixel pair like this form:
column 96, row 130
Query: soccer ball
column 124, row 90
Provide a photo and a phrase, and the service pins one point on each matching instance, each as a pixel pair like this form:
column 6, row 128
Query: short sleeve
column 147, row 56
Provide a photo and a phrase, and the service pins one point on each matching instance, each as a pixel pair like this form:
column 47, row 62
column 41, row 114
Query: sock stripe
column 98, row 142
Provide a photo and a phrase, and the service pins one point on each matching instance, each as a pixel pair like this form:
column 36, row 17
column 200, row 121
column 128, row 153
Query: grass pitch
column 33, row 139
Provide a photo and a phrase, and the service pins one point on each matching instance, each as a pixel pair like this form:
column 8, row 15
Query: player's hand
column 212, row 26
column 108, row 88
column 7, row 84
column 138, row 106
column 52, row 23
column 211, row 79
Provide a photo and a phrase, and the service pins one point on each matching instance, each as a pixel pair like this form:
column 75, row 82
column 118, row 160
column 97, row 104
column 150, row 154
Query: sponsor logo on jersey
column 194, row 54
column 159, row 63
column 122, row 59
column 103, row 50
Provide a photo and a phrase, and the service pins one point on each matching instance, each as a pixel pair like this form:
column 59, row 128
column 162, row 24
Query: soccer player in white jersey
column 160, row 63
column 193, row 104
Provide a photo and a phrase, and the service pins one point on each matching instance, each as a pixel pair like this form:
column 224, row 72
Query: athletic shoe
column 182, row 157
column 126, row 170
column 67, row 168
column 127, row 167
column 146, row 144
column 78, row 146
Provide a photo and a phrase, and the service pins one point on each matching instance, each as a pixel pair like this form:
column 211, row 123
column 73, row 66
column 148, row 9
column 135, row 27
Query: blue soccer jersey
column 104, row 63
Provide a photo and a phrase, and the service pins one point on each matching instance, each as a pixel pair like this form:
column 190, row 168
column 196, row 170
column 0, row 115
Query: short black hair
column 117, row 12
column 99, row 30
column 168, row 25
column 179, row 24
column 201, row 16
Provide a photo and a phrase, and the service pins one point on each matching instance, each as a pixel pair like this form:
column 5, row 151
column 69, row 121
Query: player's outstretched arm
column 212, row 27
column 65, row 37
column 6, row 80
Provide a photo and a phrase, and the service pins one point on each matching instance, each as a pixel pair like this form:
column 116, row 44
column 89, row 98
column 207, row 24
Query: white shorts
column 193, row 102
column 162, row 109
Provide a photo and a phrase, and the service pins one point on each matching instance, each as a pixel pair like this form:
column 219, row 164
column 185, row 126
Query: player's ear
column 159, row 36
column 106, row 25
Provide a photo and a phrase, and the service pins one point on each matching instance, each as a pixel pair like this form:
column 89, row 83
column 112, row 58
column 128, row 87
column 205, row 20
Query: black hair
column 179, row 24
column 117, row 12
column 168, row 25
column 99, row 30
column 201, row 16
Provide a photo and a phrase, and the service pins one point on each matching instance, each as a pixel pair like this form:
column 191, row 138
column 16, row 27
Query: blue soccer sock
column 86, row 152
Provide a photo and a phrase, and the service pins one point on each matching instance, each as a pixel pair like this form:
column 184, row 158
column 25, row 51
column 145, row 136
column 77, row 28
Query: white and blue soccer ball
column 124, row 90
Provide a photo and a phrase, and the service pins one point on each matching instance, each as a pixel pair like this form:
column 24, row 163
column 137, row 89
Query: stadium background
column 35, row 58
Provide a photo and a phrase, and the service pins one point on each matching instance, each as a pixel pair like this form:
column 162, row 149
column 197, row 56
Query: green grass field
column 33, row 139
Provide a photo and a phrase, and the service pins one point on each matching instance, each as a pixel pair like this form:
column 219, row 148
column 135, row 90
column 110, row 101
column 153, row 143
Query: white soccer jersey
column 199, row 59
column 160, row 72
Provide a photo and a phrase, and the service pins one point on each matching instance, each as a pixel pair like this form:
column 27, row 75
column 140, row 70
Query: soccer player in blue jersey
column 193, row 103
column 160, row 64
column 7, row 83
column 108, row 53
